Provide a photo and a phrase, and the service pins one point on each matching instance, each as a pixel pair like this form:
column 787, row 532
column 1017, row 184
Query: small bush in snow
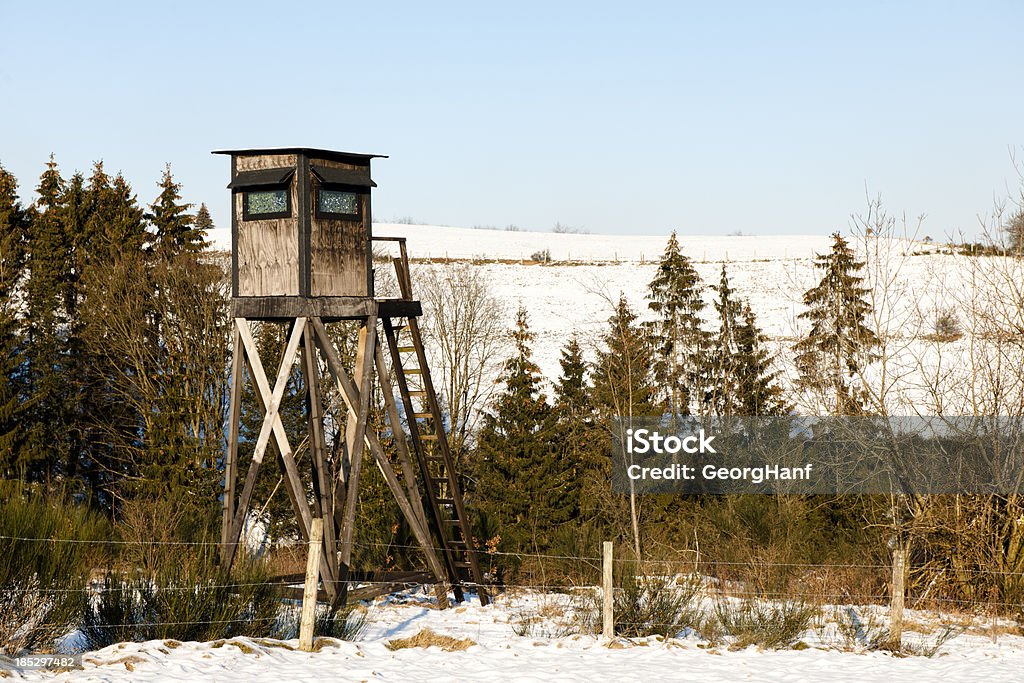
column 766, row 624
column 647, row 606
column 43, row 581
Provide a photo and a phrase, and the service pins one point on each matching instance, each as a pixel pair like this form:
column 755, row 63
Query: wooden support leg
column 355, row 436
column 353, row 399
column 272, row 400
column 231, row 456
column 322, row 489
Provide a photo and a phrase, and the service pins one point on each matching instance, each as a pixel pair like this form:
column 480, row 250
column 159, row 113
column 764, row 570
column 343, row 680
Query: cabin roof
column 312, row 152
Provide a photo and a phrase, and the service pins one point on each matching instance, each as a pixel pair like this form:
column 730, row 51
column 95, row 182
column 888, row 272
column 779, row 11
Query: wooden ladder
column 443, row 503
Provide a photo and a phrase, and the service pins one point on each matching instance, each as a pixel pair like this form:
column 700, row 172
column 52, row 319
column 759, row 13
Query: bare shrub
column 464, row 326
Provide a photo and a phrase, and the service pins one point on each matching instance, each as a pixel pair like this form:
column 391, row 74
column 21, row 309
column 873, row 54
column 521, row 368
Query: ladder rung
column 428, row 437
column 406, row 349
column 462, row 565
column 412, row 371
column 439, row 480
column 418, row 392
column 453, row 522
column 423, row 415
column 446, row 501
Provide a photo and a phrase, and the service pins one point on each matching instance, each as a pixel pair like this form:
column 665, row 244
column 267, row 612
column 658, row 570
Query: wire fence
column 676, row 567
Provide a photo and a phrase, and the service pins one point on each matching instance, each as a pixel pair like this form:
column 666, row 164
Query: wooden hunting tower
column 302, row 256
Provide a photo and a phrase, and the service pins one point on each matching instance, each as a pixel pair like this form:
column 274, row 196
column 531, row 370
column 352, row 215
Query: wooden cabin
column 301, row 232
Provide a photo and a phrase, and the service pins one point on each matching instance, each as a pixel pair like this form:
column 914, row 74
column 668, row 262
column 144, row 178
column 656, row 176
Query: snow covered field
column 497, row 653
column 575, row 292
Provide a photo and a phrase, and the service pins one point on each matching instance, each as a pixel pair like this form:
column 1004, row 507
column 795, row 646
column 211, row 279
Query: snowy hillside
column 459, row 243
column 487, row 647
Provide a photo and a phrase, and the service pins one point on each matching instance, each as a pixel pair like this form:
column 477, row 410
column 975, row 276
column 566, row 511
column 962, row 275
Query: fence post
column 899, row 578
column 316, row 541
column 608, row 593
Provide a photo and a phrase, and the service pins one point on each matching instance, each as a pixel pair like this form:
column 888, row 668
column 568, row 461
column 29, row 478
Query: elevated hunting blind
column 302, row 256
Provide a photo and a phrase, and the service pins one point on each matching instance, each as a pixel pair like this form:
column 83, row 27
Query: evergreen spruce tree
column 49, row 272
column 572, row 399
column 839, row 344
column 577, row 440
column 724, row 356
column 757, row 388
column 521, row 484
column 623, row 381
column 110, row 245
column 202, row 224
column 681, row 366
column 624, row 389
column 174, row 228
column 12, row 260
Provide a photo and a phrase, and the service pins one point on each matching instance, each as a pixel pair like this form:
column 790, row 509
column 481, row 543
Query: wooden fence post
column 899, row 580
column 309, row 593
column 608, row 593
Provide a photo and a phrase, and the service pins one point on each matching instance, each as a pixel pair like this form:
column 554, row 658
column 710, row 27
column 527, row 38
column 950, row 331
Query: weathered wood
column 309, row 594
column 899, row 581
column 272, row 404
column 432, row 507
column 355, row 436
column 266, row 252
column 398, row 432
column 322, row 489
column 328, row 308
column 415, row 525
column 608, row 592
column 292, row 480
column 352, row 399
column 231, row 456
column 339, row 255
column 454, row 487
column 256, row 162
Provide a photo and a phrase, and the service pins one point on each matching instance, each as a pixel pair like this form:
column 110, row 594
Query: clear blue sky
column 617, row 118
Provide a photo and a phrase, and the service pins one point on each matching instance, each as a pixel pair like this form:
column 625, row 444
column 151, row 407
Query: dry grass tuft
column 428, row 638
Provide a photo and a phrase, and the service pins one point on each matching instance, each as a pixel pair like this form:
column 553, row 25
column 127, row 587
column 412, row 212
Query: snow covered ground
column 497, row 653
column 576, row 291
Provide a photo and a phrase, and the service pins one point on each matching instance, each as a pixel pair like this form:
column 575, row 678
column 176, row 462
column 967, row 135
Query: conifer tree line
column 113, row 336
column 542, row 468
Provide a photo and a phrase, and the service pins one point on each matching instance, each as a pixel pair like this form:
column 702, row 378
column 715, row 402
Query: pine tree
column 839, row 344
column 175, row 230
column 675, row 297
column 522, row 485
column 12, row 261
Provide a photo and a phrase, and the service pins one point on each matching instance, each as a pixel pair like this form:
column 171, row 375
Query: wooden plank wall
column 268, row 250
column 340, row 251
